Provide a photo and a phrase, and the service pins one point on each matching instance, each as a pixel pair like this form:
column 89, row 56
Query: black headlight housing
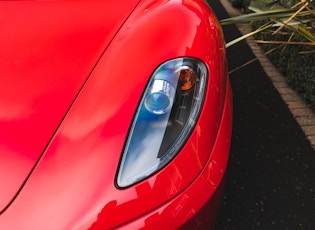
column 167, row 114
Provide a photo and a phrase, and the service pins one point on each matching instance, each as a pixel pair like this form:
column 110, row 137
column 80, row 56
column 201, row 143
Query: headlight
column 166, row 115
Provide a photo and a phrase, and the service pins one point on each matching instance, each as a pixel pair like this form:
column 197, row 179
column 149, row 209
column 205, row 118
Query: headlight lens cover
column 165, row 117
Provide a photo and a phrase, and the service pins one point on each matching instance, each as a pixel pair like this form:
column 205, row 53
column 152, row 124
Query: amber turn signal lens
column 187, row 79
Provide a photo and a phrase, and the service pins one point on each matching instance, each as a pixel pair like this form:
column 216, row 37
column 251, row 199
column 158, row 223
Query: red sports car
column 113, row 114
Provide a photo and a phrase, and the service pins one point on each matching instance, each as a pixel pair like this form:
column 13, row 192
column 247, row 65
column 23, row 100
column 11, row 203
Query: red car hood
column 47, row 51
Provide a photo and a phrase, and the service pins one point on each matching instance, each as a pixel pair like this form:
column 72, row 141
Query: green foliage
column 299, row 69
column 300, row 75
column 290, row 34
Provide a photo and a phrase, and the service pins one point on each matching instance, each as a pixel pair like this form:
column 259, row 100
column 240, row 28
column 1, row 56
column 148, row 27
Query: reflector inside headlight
column 166, row 115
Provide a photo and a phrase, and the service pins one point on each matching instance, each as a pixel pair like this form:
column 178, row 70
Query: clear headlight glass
column 166, row 116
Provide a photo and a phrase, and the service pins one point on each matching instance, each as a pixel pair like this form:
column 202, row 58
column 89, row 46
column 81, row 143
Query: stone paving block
column 309, row 130
column 290, row 97
column 295, row 105
column 287, row 90
column 307, row 121
column 269, row 67
column 274, row 76
column 259, row 54
column 302, row 112
column 312, row 140
column 280, row 84
column 266, row 63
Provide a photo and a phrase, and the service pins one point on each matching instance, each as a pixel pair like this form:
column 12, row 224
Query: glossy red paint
column 48, row 50
column 73, row 184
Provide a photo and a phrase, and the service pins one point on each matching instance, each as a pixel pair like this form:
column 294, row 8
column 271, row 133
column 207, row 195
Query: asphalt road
column 271, row 173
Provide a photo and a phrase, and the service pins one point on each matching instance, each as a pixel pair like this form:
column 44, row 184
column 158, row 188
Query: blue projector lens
column 160, row 97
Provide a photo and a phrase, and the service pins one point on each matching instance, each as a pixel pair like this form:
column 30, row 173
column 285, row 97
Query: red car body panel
column 86, row 103
column 48, row 50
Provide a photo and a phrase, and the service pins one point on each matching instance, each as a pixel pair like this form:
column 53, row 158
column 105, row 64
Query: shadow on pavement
column 271, row 173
